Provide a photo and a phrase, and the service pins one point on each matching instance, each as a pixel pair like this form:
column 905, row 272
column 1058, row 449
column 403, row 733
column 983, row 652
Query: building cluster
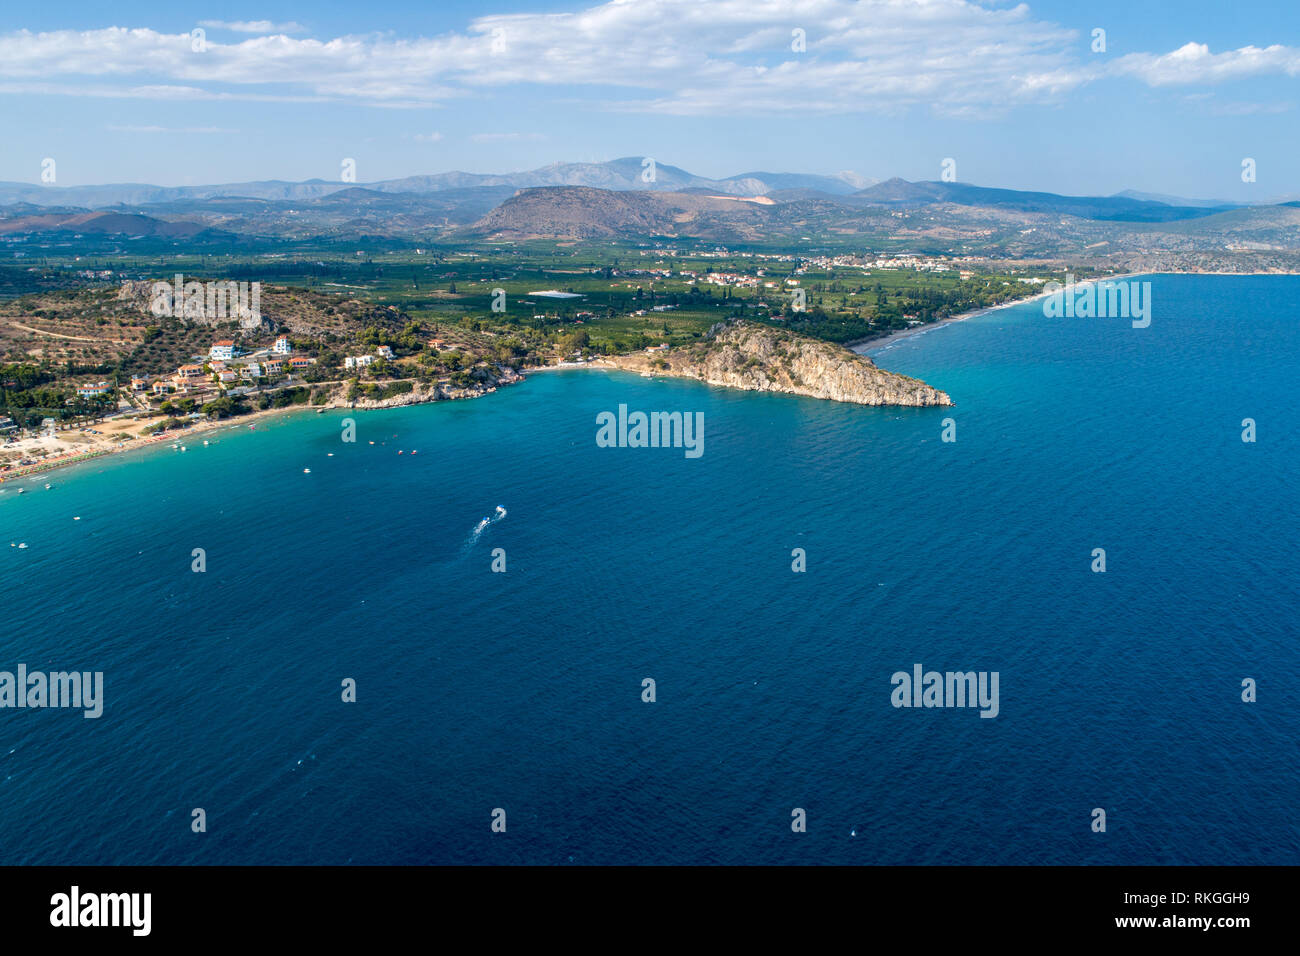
column 734, row 279
column 221, row 370
column 361, row 361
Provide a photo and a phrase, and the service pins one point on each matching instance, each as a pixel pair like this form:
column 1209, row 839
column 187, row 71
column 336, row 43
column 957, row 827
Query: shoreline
column 105, row 449
column 862, row 348
column 870, row 344
column 168, row 437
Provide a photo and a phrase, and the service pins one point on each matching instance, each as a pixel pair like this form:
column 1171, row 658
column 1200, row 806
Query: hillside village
column 79, row 370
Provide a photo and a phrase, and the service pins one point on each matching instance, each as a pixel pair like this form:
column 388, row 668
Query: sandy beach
column 115, row 437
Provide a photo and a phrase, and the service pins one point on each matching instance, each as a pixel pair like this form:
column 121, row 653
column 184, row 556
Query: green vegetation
column 439, row 311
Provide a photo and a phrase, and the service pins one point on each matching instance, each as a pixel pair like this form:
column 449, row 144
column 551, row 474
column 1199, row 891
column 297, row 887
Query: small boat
column 22, row 545
column 21, row 490
column 48, row 485
column 76, row 517
column 205, row 441
column 306, row 471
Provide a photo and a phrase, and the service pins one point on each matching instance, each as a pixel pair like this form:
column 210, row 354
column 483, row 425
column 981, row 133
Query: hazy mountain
column 135, row 194
column 618, row 174
column 936, row 217
column 1178, row 200
column 581, row 212
column 101, row 223
column 840, row 184
column 900, row 192
column 927, row 217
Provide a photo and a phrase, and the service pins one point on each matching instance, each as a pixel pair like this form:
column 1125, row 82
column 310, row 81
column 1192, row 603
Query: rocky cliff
column 765, row 359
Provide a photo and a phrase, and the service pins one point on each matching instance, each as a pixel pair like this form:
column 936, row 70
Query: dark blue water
column 522, row 690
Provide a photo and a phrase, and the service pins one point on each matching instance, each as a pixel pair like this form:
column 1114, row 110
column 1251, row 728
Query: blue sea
column 522, row 690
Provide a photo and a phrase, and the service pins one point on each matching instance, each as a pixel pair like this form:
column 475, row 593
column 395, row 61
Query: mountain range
column 621, row 200
column 626, row 173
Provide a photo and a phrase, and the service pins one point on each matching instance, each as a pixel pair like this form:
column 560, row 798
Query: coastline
column 106, row 449
column 862, row 348
column 100, row 448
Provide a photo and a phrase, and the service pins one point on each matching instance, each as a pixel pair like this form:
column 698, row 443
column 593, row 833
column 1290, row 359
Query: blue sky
column 1013, row 92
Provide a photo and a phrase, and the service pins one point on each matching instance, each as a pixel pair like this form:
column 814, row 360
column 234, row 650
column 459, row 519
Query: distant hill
column 102, row 223
column 758, row 207
column 136, row 194
column 580, row 212
column 1178, row 200
column 841, row 184
column 937, row 218
column 900, row 192
column 617, row 174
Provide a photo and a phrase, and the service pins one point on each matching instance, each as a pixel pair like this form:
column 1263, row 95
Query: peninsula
column 761, row 358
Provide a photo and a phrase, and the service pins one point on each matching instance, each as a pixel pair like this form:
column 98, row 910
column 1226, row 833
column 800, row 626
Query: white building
column 282, row 346
column 384, row 352
column 223, row 350
column 358, row 361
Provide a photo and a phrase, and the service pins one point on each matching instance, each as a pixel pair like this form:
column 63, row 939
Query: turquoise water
column 478, row 690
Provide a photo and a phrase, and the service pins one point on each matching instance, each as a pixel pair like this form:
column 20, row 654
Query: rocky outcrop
column 765, row 359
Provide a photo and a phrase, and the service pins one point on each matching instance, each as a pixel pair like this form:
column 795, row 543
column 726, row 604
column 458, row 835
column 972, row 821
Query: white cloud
column 1193, row 63
column 686, row 57
column 253, row 26
column 434, row 137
